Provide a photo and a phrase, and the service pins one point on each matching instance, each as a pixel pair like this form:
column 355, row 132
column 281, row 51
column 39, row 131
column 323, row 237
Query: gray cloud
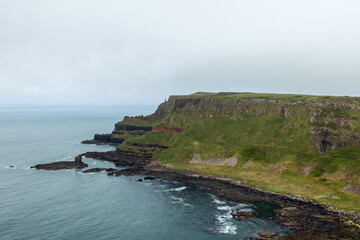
column 64, row 52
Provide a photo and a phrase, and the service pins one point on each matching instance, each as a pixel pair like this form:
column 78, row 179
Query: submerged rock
column 99, row 170
column 149, row 178
column 242, row 215
column 77, row 164
column 267, row 235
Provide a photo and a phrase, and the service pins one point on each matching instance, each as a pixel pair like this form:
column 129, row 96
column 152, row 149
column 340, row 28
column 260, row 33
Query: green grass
column 275, row 96
column 136, row 122
column 268, row 141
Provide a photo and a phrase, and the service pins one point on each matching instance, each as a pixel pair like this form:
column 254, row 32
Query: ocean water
column 68, row 204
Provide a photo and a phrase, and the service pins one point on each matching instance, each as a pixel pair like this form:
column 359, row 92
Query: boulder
column 242, row 215
column 267, row 235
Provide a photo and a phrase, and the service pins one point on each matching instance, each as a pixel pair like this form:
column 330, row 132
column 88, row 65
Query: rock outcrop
column 104, row 139
column 326, row 139
column 122, row 158
column 77, row 164
column 242, row 215
column 231, row 161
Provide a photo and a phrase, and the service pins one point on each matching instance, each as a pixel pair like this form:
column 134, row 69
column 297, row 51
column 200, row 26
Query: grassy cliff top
column 272, row 96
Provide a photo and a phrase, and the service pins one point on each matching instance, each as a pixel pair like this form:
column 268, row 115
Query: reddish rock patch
column 165, row 129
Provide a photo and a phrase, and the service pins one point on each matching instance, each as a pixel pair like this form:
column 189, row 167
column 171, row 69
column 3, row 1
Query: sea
column 70, row 204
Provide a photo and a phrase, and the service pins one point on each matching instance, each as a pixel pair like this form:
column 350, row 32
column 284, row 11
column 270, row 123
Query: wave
column 217, row 201
column 179, row 200
column 179, row 189
column 225, row 208
column 226, row 226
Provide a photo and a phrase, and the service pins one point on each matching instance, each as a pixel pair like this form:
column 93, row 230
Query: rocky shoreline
column 306, row 219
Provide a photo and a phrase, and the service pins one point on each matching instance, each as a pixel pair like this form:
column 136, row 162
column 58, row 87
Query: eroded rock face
column 326, row 139
column 355, row 189
column 122, row 158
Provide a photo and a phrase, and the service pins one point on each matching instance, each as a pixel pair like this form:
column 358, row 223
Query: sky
column 140, row 51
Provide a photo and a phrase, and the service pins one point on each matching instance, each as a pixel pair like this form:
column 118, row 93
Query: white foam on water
column 217, row 201
column 226, row 226
column 224, row 208
column 179, row 200
column 179, row 189
column 243, row 208
column 225, row 222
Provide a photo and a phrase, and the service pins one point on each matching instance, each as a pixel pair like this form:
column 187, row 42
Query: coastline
column 306, row 219
column 274, row 138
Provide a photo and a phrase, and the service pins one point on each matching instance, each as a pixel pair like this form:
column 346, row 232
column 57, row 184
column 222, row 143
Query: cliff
column 294, row 144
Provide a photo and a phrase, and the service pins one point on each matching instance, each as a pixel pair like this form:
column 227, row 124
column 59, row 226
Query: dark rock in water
column 130, row 172
column 92, row 141
column 139, row 180
column 94, row 170
column 99, row 170
column 242, row 215
column 104, row 139
column 149, row 178
column 267, row 235
column 77, row 164
column 122, row 158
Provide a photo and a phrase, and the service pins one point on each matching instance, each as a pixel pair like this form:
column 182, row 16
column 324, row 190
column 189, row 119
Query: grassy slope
column 275, row 149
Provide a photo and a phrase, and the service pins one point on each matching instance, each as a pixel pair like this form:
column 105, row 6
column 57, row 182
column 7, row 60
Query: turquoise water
column 67, row 204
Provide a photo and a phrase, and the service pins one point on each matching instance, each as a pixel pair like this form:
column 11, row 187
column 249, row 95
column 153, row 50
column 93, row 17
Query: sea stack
column 77, row 164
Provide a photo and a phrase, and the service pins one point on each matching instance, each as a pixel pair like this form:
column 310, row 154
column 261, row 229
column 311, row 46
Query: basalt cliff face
column 332, row 119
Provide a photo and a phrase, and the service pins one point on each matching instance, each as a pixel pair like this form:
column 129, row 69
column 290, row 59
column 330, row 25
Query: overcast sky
column 141, row 51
